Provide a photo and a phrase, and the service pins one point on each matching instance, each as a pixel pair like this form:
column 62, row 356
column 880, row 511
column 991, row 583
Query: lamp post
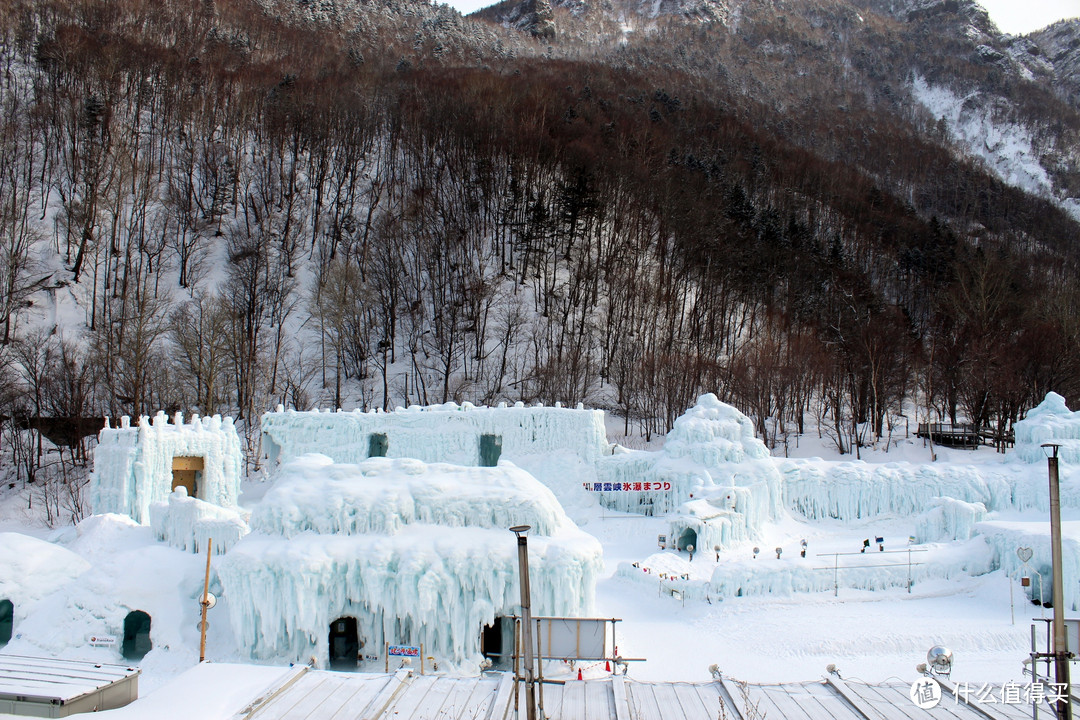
column 526, row 619
column 1061, row 655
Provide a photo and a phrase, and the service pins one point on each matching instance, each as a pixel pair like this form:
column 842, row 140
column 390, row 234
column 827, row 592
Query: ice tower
column 137, row 466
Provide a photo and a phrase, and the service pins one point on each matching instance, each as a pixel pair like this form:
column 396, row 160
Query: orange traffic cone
column 579, row 673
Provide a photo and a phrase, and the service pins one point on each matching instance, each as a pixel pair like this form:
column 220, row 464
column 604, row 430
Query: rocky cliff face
column 1058, row 48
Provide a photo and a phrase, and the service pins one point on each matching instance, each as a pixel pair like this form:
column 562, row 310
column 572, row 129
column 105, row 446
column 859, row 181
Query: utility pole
column 204, row 602
column 1061, row 654
column 526, row 619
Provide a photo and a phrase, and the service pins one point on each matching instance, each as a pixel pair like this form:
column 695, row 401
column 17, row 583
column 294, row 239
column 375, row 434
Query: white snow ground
column 782, row 636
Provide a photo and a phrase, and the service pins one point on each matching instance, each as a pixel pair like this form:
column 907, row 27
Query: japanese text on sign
column 405, row 650
column 626, row 486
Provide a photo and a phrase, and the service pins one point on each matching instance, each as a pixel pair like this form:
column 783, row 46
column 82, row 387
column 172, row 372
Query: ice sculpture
column 187, row 523
column 712, row 457
column 1050, row 421
column 414, row 552
column 851, row 490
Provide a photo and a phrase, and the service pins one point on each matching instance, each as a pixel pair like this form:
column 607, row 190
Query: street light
column 1061, row 654
column 526, row 619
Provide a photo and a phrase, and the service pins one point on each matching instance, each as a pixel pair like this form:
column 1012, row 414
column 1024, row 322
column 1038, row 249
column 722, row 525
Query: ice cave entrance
column 344, row 644
column 187, row 473
column 496, row 641
column 7, row 621
column 490, row 450
column 136, row 635
column 688, row 537
column 378, row 445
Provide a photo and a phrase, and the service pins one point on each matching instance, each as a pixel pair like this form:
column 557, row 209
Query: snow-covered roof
column 48, row 680
column 381, row 496
column 406, row 695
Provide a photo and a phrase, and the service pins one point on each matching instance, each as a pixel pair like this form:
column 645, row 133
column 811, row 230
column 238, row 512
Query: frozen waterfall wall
column 851, row 490
column 437, row 433
column 949, row 519
column 133, row 466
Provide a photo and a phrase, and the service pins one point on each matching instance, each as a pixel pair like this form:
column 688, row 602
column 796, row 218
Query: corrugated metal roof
column 314, row 694
column 48, row 680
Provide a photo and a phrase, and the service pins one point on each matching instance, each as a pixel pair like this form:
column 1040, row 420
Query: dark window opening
column 378, row 444
column 7, row 621
column 490, row 450
column 136, row 635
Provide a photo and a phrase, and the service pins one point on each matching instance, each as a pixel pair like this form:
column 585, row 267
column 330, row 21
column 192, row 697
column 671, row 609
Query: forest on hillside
column 242, row 211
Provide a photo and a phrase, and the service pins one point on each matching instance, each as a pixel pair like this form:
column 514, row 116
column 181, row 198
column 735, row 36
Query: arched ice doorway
column 688, row 537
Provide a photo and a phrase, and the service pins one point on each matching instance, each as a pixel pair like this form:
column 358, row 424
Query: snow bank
column 436, row 433
column 949, row 519
column 852, row 490
column 133, row 466
column 32, row 569
column 1050, row 421
column 416, row 553
column 187, row 523
column 124, row 569
column 711, row 453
